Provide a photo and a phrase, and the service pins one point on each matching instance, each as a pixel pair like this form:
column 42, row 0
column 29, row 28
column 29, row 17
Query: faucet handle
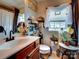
column 7, row 39
column 12, row 38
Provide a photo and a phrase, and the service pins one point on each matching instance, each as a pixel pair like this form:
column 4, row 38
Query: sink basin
column 11, row 44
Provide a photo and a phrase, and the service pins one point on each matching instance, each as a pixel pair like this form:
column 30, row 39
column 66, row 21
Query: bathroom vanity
column 21, row 48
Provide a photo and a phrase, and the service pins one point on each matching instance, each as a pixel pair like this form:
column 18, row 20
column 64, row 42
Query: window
column 58, row 17
column 21, row 18
column 57, row 25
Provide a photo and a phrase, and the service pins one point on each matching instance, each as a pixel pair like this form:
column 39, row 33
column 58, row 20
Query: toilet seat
column 44, row 49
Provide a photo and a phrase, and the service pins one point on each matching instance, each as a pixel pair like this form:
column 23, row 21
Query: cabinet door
column 24, row 53
column 34, row 54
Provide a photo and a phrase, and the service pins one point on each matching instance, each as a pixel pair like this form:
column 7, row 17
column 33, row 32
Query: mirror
column 6, row 21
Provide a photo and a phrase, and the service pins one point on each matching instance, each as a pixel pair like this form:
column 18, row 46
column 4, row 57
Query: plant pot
column 67, row 43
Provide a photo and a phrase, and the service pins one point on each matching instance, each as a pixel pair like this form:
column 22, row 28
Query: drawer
column 24, row 52
column 34, row 54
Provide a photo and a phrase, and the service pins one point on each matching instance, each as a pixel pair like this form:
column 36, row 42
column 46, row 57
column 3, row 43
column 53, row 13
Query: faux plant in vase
column 22, row 29
column 67, row 36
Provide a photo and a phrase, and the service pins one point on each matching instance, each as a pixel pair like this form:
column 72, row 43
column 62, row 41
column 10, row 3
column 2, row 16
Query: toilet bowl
column 44, row 49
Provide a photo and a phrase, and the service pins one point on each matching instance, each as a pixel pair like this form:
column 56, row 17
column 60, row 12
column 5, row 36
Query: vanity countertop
column 18, row 44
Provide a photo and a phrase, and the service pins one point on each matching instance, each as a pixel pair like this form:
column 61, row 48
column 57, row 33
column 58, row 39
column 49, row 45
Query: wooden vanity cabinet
column 24, row 52
column 29, row 52
column 32, row 50
column 34, row 54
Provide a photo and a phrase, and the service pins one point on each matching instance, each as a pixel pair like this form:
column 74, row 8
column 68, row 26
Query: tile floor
column 54, row 56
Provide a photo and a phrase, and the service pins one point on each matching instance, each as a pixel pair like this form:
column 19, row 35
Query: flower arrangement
column 22, row 28
column 70, row 30
column 67, row 36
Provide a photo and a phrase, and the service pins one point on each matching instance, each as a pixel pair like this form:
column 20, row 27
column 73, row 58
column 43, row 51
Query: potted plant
column 66, row 38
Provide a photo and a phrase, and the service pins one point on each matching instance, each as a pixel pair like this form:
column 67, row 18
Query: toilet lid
column 44, row 47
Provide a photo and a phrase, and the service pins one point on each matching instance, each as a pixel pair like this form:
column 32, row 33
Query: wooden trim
column 11, row 9
column 15, row 19
column 78, row 12
column 75, row 18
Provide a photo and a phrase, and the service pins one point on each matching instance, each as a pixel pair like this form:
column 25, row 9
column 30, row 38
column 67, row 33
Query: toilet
column 44, row 49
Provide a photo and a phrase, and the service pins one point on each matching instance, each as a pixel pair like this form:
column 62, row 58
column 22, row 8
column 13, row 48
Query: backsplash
column 2, row 37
